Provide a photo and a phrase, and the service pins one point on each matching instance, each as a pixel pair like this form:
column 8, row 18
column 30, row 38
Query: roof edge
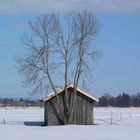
column 52, row 94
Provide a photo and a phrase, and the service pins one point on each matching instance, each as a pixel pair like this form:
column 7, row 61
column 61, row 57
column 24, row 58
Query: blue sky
column 118, row 39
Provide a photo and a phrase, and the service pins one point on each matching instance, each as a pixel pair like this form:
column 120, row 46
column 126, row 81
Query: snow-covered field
column 111, row 124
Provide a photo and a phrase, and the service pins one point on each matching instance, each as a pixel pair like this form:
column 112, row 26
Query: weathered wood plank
column 82, row 115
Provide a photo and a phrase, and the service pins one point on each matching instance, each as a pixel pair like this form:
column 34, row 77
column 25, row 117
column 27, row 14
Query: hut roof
column 60, row 91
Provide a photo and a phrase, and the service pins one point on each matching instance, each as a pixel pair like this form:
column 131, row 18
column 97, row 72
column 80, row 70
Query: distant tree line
column 122, row 100
column 10, row 102
column 107, row 100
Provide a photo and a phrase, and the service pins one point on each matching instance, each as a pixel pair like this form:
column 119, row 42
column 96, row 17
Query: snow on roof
column 51, row 95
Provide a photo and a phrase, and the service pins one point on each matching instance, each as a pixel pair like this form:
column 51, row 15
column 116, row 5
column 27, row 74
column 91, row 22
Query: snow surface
column 25, row 124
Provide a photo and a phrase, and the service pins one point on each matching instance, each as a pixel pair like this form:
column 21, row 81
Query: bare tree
column 59, row 43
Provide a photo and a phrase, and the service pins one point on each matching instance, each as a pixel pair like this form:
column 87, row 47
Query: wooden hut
column 83, row 111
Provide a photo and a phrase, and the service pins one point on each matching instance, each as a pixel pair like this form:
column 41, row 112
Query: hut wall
column 82, row 114
column 83, row 111
column 51, row 116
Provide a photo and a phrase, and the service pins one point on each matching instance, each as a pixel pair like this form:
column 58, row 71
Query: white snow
column 24, row 124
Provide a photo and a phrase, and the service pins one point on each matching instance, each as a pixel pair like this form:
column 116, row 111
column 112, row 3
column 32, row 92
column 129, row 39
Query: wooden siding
column 82, row 114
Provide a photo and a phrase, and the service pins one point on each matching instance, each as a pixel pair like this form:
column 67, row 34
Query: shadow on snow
column 33, row 123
